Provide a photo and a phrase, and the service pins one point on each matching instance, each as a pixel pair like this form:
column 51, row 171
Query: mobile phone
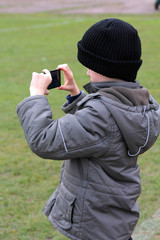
column 56, row 79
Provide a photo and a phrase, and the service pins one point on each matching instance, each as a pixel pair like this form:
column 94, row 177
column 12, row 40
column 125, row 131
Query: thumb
column 47, row 92
column 62, row 87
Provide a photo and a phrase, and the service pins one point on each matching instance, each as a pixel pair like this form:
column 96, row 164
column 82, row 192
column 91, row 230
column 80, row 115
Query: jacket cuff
column 73, row 98
column 69, row 107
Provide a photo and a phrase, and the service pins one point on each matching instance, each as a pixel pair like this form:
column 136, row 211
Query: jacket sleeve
column 74, row 135
column 71, row 107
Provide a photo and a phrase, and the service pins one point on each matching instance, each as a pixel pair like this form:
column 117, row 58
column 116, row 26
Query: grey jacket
column 100, row 137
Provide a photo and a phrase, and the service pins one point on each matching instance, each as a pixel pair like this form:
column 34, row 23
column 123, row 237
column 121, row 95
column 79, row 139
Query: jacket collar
column 93, row 87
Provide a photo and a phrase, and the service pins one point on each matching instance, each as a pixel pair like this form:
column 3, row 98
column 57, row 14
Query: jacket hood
column 135, row 112
column 139, row 125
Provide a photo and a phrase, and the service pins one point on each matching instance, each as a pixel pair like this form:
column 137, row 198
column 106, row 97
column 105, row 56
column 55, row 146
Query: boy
column 99, row 138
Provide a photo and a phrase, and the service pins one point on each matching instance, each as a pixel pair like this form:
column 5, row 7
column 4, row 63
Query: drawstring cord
column 148, row 132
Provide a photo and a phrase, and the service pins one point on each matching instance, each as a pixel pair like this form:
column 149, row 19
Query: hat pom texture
column 112, row 48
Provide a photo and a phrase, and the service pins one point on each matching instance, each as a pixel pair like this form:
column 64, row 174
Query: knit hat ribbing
column 112, row 48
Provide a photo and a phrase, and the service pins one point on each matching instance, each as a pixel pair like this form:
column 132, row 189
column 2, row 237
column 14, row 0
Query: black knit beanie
column 112, row 48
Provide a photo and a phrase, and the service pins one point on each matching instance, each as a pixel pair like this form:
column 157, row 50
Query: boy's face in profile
column 95, row 77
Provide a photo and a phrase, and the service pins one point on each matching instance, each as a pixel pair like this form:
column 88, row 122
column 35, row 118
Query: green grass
column 31, row 43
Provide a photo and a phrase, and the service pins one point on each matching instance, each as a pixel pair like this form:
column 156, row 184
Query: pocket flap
column 67, row 195
column 63, row 208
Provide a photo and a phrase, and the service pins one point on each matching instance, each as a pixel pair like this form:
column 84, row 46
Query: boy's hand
column 40, row 83
column 69, row 82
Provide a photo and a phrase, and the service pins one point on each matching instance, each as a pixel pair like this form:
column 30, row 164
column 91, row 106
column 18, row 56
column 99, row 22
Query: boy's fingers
column 34, row 74
column 62, row 87
column 63, row 67
column 47, row 92
column 46, row 72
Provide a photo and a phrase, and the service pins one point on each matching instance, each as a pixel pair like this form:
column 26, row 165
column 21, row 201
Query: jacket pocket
column 63, row 208
column 50, row 203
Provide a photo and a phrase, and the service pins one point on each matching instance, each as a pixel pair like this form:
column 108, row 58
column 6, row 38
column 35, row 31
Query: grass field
column 31, row 43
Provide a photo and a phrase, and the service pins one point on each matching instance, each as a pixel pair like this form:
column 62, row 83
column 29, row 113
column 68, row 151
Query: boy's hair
column 112, row 48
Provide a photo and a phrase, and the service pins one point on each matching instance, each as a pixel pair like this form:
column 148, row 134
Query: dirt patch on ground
column 78, row 6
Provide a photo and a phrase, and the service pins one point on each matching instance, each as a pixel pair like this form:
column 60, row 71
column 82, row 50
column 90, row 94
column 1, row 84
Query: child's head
column 112, row 48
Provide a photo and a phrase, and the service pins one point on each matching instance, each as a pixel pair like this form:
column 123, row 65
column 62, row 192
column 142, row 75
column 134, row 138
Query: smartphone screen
column 56, row 79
